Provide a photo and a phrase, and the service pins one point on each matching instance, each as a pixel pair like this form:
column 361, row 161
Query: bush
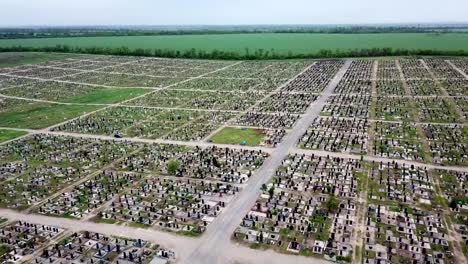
column 173, row 166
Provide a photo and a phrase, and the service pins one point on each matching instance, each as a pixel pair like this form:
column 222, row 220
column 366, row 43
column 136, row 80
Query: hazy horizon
column 24, row 13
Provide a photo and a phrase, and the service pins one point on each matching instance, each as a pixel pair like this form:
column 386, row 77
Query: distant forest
column 98, row 31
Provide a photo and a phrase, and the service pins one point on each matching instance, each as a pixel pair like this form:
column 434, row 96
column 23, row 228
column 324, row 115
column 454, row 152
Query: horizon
column 54, row 13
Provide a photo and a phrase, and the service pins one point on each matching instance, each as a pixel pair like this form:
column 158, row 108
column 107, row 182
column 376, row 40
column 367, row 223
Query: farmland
column 296, row 43
column 123, row 159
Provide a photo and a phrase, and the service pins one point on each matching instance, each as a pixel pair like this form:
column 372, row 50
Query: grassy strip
column 10, row 134
column 39, row 115
column 230, row 135
column 107, row 96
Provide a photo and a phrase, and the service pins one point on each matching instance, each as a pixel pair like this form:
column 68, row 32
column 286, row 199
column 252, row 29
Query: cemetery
column 348, row 161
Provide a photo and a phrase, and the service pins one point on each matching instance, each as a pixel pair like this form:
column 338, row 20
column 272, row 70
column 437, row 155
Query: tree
column 271, row 191
column 332, row 203
column 173, row 166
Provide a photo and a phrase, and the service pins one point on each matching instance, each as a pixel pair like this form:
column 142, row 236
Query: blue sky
column 224, row 12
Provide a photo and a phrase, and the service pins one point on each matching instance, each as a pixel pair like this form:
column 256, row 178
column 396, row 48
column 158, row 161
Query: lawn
column 107, row 96
column 230, row 135
column 40, row 115
column 10, row 134
column 10, row 59
column 281, row 43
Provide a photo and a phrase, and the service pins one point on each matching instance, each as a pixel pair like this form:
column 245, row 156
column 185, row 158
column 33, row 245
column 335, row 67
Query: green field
column 107, row 96
column 10, row 59
column 281, row 43
column 236, row 136
column 6, row 134
column 40, row 115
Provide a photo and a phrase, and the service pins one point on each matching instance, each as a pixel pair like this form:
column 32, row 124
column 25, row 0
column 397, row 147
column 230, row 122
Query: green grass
column 10, row 59
column 107, row 96
column 281, row 43
column 10, row 134
column 230, row 135
column 39, row 115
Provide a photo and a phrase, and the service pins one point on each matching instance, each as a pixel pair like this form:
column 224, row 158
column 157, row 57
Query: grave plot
column 44, row 73
column 453, row 186
column 38, row 166
column 223, row 164
column 390, row 87
column 337, row 135
column 285, row 70
column 405, row 234
column 354, row 87
column 85, row 198
column 456, row 87
column 448, row 144
column 461, row 64
column 90, row 247
column 248, row 136
column 121, row 79
column 441, row 69
column 353, row 106
column 220, row 84
column 393, row 109
column 462, row 104
column 19, row 241
column 84, row 65
column 388, row 70
column 200, row 127
column 397, row 140
column 8, row 82
column 130, row 122
column 207, row 100
column 437, row 110
column 315, row 78
column 181, row 205
column 424, row 87
column 306, row 209
column 414, row 69
column 387, row 63
column 266, row 120
column 257, row 69
column 360, row 70
column 170, row 67
column 392, row 183
column 290, row 103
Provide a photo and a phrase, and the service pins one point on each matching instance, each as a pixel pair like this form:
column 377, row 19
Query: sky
column 228, row 12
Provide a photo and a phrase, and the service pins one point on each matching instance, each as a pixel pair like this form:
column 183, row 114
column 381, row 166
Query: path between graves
column 214, row 244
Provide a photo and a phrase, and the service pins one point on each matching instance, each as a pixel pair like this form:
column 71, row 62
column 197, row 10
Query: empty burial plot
column 337, row 135
column 37, row 166
column 23, row 114
column 72, row 93
column 6, row 134
column 308, row 208
column 149, row 123
column 237, row 136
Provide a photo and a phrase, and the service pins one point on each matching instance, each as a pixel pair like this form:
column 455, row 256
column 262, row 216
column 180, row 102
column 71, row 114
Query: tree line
column 258, row 54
